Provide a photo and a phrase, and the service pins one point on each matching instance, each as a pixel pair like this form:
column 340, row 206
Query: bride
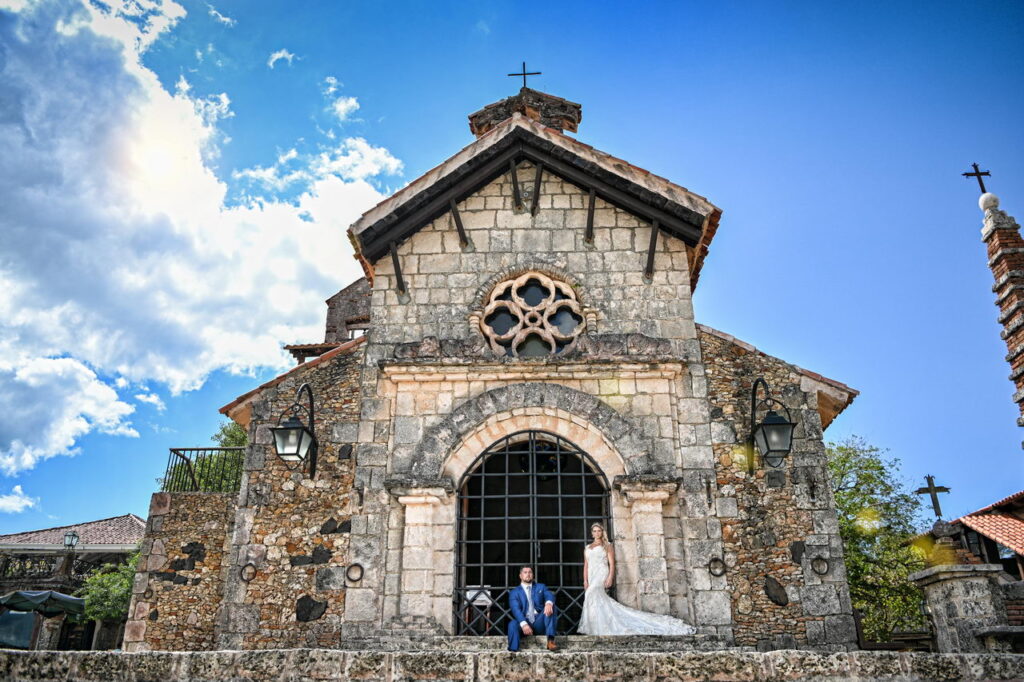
column 602, row 615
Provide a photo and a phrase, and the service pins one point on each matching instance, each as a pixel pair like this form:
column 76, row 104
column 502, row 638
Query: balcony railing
column 44, row 568
column 203, row 470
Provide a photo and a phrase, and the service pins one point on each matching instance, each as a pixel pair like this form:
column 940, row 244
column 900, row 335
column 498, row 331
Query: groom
column 526, row 619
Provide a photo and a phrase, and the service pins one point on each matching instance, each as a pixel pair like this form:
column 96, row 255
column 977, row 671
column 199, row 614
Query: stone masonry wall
column 777, row 522
column 179, row 582
column 295, row 531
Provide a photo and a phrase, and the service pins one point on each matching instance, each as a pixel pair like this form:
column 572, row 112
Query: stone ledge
column 331, row 664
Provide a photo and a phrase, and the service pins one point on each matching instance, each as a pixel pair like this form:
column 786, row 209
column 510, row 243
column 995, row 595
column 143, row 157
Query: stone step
column 632, row 643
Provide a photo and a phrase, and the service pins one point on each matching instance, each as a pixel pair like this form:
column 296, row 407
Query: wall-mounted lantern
column 774, row 435
column 70, row 540
column 293, row 441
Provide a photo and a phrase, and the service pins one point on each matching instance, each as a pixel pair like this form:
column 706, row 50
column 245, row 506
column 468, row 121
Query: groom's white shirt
column 528, row 589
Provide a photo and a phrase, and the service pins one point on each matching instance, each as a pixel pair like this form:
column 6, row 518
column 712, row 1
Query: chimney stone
column 553, row 112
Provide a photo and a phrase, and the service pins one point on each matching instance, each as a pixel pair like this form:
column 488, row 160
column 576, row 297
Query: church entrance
column 529, row 499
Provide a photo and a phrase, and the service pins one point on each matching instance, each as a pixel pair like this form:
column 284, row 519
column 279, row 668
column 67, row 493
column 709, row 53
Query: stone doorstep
column 568, row 643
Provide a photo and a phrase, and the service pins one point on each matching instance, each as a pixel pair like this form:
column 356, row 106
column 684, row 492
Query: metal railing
column 203, row 470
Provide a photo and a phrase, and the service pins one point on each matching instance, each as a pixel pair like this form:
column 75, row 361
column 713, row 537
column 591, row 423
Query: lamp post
column 774, row 435
column 293, row 441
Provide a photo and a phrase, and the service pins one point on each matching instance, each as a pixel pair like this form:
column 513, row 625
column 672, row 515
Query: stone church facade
column 530, row 365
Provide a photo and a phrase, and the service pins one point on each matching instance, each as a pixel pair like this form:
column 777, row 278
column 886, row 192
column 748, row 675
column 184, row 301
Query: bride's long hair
column 604, row 534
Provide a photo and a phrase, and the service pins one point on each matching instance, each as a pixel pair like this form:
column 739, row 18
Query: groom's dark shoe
column 551, row 645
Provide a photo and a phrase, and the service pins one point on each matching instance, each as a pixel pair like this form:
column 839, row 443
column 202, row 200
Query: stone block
column 432, row 665
column 360, row 605
column 820, row 600
column 726, row 507
column 159, row 504
column 367, row 665
column 135, row 631
column 504, row 665
column 840, row 630
column 712, row 608
column 563, row 666
column 330, row 578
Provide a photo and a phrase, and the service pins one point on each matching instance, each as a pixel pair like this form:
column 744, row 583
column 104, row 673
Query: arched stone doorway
column 528, row 499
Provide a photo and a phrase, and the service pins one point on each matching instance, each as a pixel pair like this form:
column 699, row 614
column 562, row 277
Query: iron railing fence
column 203, row 470
column 44, row 567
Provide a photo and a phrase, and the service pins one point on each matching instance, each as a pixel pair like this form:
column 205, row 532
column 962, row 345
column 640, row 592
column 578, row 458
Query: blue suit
column 518, row 605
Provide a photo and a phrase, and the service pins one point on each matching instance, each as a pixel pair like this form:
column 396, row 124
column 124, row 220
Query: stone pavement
column 332, row 664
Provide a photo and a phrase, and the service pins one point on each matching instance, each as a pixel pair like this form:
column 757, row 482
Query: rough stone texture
column 179, row 583
column 282, row 521
column 554, row 112
column 766, row 520
column 963, row 599
column 325, row 664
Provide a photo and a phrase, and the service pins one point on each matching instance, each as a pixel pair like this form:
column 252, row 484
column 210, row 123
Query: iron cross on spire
column 933, row 490
column 525, row 73
column 976, row 174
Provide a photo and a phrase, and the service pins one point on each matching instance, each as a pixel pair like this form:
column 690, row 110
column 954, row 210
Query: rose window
column 532, row 316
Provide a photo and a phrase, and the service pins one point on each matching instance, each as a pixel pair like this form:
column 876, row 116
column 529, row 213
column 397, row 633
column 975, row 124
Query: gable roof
column 238, row 409
column 679, row 212
column 117, row 530
column 833, row 396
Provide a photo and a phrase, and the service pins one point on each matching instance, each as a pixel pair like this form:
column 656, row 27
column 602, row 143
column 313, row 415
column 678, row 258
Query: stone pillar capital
column 423, row 496
column 650, row 490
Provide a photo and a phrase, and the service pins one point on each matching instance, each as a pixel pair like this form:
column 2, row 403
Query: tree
column 878, row 516
column 108, row 590
column 230, row 435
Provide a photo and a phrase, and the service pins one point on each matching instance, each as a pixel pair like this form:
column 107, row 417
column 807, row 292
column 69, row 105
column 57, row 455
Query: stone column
column 645, row 497
column 962, row 598
column 416, row 603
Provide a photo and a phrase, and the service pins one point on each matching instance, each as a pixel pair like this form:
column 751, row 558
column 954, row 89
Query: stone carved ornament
column 532, row 316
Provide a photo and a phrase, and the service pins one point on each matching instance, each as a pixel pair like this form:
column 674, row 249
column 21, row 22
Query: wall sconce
column 293, row 442
column 774, row 435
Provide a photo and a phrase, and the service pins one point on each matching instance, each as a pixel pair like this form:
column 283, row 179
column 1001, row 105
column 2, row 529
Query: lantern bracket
column 298, row 407
column 766, row 403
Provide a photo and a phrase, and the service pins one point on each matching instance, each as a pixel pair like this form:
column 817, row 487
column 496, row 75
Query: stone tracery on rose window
column 532, row 316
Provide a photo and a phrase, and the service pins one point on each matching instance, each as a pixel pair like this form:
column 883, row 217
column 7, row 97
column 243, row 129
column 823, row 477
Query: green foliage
column 108, row 590
column 230, row 435
column 877, row 517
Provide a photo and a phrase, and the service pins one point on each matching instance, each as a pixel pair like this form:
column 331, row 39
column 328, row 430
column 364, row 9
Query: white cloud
column 151, row 399
column 275, row 57
column 227, row 21
column 47, row 404
column 343, row 106
column 330, row 86
column 16, row 501
column 483, row 27
column 120, row 262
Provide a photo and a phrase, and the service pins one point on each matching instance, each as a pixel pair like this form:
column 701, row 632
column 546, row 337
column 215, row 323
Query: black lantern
column 774, row 435
column 70, row 540
column 293, row 440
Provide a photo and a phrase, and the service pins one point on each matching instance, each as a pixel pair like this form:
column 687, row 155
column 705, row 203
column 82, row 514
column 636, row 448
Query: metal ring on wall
column 820, row 565
column 716, row 567
column 354, row 572
column 247, row 572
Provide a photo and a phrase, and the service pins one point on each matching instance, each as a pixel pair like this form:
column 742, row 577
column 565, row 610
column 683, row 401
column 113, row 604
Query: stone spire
column 554, row 112
column 1001, row 235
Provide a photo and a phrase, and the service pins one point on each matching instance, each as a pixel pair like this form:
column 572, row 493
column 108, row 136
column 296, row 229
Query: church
column 520, row 361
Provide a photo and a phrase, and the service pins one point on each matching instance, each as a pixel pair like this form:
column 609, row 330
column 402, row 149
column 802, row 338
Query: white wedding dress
column 602, row 615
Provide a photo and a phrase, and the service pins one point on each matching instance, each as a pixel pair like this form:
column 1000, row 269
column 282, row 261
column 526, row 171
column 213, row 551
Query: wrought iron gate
column 528, row 500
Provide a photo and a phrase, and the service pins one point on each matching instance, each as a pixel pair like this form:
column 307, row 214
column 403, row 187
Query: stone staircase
column 567, row 644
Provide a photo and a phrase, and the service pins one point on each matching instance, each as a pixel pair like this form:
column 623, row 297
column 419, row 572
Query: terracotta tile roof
column 117, row 530
column 1005, row 529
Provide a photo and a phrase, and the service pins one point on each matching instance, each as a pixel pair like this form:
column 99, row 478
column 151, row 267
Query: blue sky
column 177, row 179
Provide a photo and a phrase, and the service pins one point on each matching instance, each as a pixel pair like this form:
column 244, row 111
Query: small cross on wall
column 525, row 73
